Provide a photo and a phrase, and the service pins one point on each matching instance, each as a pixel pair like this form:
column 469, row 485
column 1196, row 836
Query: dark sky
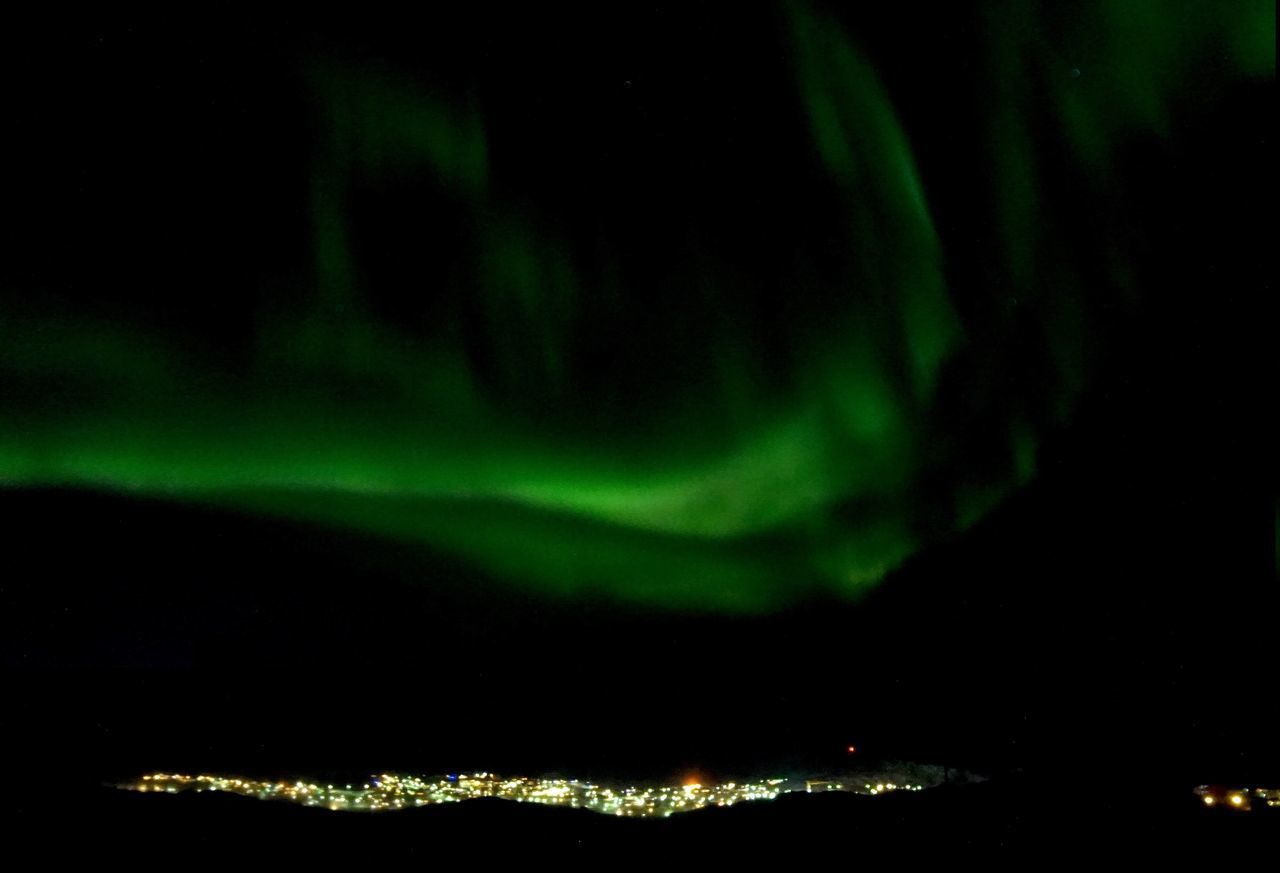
column 675, row 388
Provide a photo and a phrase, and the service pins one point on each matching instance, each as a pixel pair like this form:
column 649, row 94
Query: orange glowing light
column 692, row 780
column 852, row 749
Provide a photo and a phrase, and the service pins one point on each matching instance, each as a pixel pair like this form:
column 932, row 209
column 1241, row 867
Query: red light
column 852, row 749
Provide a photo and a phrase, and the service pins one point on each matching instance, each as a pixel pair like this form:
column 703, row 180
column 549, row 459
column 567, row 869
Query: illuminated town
column 389, row 791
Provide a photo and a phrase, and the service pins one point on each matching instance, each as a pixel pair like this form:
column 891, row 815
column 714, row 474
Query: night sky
column 678, row 387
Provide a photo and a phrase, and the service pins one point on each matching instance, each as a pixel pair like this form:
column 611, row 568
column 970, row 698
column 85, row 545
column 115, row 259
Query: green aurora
column 710, row 414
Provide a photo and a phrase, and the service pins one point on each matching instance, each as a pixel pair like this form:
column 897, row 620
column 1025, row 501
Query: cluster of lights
column 883, row 787
column 1241, row 799
column 390, row 791
column 818, row 785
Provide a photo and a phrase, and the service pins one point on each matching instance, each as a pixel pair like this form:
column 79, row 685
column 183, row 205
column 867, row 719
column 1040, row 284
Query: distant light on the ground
column 390, row 791
column 1242, row 799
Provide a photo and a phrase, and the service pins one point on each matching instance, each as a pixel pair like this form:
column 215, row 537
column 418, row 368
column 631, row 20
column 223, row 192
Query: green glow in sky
column 565, row 422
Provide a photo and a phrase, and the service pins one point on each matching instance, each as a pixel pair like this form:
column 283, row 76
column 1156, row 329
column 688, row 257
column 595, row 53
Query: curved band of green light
column 744, row 480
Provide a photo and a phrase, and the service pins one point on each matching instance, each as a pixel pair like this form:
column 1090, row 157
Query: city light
column 1239, row 799
column 390, row 791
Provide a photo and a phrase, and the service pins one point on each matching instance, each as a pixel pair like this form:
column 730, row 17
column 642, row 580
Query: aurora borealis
column 715, row 343
column 626, row 398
